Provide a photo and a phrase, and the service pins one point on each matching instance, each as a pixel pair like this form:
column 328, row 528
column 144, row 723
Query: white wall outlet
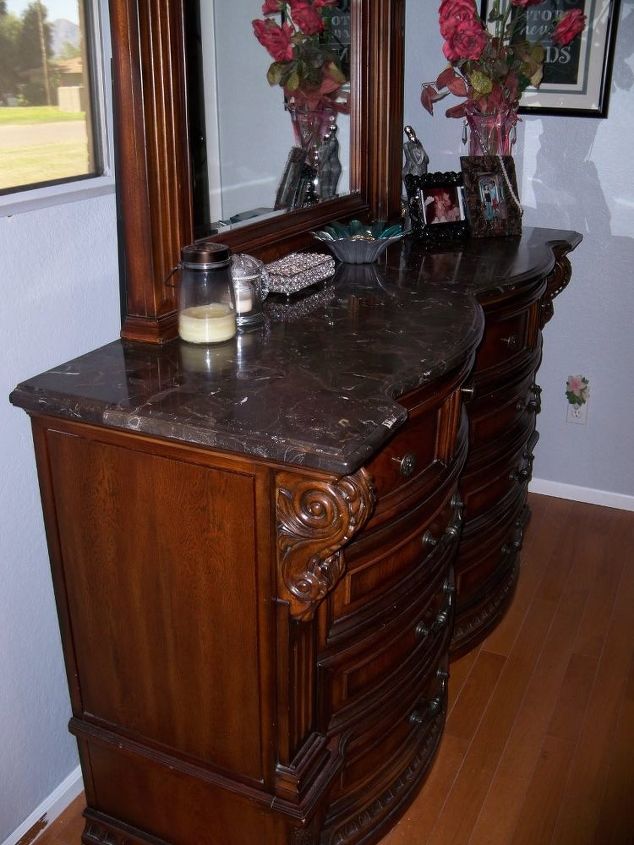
column 577, row 394
column 577, row 414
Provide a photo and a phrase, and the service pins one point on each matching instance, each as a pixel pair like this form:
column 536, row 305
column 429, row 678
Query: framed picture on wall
column 491, row 195
column 576, row 77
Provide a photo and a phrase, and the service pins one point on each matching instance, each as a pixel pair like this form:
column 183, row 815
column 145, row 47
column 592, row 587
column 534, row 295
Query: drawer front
column 380, row 584
column 506, row 410
column 352, row 680
column 404, row 739
column 484, row 490
column 407, row 455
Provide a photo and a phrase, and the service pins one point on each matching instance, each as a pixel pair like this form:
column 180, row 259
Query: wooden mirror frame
column 154, row 194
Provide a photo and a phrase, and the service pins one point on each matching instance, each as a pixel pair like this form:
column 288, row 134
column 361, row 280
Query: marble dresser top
column 317, row 384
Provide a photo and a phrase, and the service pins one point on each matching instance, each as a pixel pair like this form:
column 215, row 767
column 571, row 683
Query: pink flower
column 307, row 18
column 576, row 385
column 569, row 27
column 524, row 4
column 453, row 12
column 276, row 39
column 271, row 7
column 319, row 4
column 467, row 41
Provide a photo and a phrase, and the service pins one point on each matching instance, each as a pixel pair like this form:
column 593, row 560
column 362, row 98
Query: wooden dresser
column 254, row 546
column 252, row 553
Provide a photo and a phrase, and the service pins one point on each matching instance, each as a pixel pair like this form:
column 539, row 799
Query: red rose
column 319, row 4
column 454, row 12
column 276, row 39
column 271, row 7
column 524, row 4
column 467, row 41
column 569, row 27
column 307, row 18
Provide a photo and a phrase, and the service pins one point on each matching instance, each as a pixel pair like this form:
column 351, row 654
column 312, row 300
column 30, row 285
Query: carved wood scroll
column 557, row 282
column 315, row 521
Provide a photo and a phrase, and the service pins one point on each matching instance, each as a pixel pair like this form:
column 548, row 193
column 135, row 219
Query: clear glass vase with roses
column 307, row 70
column 491, row 66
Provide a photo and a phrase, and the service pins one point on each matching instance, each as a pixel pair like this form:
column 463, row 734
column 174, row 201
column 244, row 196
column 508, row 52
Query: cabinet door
column 158, row 567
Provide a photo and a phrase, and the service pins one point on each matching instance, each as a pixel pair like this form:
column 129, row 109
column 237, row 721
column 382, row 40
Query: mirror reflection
column 269, row 89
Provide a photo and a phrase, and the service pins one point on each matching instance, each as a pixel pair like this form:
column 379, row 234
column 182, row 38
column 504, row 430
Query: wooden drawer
column 409, row 730
column 352, row 680
column 407, row 455
column 500, row 412
column 502, row 480
column 380, row 583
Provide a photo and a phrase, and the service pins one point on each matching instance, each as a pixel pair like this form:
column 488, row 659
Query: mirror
column 265, row 151
column 157, row 201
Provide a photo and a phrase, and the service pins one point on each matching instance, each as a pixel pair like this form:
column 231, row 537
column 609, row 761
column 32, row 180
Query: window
column 49, row 100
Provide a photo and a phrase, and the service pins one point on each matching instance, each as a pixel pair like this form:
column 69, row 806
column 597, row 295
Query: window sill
column 25, row 201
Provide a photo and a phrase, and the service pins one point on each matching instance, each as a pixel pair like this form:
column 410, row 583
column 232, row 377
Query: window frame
column 81, row 187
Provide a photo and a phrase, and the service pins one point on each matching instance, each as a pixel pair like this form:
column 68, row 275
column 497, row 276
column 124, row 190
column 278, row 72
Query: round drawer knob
column 406, row 464
column 442, row 619
column 422, row 631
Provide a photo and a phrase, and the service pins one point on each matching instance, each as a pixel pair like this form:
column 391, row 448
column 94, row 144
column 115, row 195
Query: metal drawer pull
column 467, row 392
column 407, row 464
column 512, row 341
column 428, row 539
column 422, row 631
column 432, row 708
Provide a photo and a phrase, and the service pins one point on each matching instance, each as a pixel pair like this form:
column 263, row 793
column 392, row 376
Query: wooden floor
column 539, row 744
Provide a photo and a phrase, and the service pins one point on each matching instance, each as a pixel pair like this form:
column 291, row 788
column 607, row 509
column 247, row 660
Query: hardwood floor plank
column 67, row 828
column 540, row 808
column 581, row 800
column 616, row 819
column 502, row 805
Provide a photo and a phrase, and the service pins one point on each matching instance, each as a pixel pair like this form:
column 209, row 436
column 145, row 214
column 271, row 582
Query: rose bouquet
column 491, row 67
column 307, row 70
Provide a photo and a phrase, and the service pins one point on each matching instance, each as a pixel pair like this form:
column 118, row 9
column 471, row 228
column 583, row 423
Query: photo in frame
column 436, row 206
column 577, row 77
column 492, row 201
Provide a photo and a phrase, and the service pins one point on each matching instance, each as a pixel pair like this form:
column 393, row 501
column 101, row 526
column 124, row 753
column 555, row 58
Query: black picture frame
column 490, row 189
column 585, row 93
column 433, row 220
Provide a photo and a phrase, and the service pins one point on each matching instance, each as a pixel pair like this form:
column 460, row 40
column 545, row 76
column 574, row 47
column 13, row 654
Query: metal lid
column 205, row 255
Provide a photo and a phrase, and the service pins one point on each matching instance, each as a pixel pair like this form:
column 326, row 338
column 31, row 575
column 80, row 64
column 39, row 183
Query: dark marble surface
column 316, row 385
column 484, row 266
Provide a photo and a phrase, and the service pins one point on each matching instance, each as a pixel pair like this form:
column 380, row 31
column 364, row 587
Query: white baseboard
column 582, row 494
column 51, row 807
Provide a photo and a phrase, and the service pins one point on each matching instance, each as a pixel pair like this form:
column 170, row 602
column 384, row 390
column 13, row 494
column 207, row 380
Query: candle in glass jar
column 244, row 299
column 210, row 323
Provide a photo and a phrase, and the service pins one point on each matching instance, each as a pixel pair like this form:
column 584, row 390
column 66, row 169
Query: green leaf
column 275, row 73
column 481, row 83
column 292, row 81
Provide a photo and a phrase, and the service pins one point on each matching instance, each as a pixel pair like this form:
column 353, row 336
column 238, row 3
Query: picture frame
column 287, row 192
column 577, row 77
column 492, row 201
column 436, row 207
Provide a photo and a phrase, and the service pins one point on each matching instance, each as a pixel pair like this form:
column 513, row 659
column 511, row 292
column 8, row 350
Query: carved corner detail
column 315, row 520
column 557, row 282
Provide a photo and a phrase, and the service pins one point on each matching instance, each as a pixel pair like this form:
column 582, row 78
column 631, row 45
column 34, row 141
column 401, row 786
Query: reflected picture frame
column 490, row 189
column 436, row 208
column 577, row 78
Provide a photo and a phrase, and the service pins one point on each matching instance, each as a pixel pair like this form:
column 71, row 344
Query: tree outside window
column 46, row 133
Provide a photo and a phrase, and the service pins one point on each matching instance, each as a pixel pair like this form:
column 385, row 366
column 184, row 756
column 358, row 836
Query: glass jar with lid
column 206, row 309
column 250, row 289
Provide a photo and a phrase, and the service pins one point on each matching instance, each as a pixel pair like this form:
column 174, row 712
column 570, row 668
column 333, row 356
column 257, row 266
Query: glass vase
column 491, row 134
column 310, row 125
